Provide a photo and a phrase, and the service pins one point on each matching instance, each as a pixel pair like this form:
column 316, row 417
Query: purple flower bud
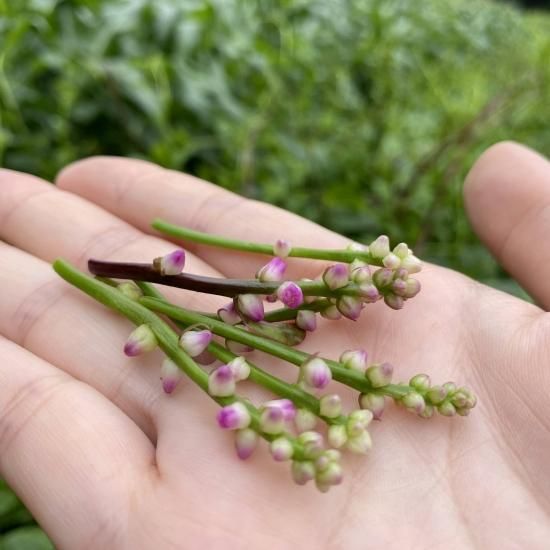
column 316, row 373
column 240, row 368
column 246, row 441
column 330, row 405
column 312, row 443
column 170, row 375
column 272, row 271
column 170, row 264
column 399, row 287
column 360, row 444
column 281, row 449
column 336, row 276
column 414, row 402
column 354, row 360
column 228, row 314
column 141, row 340
column 412, row 288
column 420, row 382
column 251, row 306
column 393, row 301
column 337, row 435
column 331, row 312
column 373, row 402
column 130, row 290
column 349, row 307
column 380, row 375
column 446, row 409
column 272, row 420
column 233, row 417
column 305, row 420
column 361, row 275
column 221, row 382
column 237, row 348
column 194, row 342
column 369, row 293
column 412, row 264
column 306, row 320
column 282, row 248
column 402, row 251
column 290, row 294
column 302, row 471
column 382, row 277
column 436, row 395
column 285, row 405
column 391, row 261
column 380, row 247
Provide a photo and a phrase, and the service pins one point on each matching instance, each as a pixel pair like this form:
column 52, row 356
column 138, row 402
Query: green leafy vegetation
column 362, row 115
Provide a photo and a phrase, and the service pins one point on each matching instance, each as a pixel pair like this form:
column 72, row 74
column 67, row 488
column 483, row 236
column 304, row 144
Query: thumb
column 507, row 196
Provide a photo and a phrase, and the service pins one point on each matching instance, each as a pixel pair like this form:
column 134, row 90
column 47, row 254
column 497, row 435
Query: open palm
column 104, row 460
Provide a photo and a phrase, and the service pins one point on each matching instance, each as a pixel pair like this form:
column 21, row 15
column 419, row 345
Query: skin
column 104, row 459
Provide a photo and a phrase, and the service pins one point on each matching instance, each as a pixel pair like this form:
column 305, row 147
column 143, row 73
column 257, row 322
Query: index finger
column 139, row 191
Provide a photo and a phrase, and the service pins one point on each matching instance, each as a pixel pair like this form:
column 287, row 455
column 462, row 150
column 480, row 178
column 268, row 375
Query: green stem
column 245, row 246
column 339, row 373
column 277, row 386
column 287, row 314
column 166, row 337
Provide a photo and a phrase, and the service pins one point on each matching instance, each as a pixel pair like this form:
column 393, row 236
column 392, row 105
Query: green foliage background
column 363, row 115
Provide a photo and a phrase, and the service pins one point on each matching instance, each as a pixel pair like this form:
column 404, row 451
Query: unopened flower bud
column 221, row 382
column 251, row 306
column 336, row 276
column 194, row 342
column 399, row 287
column 337, row 435
column 382, row 277
column 412, row 264
column 282, row 248
column 141, row 340
column 354, row 360
column 414, row 402
column 130, row 290
column 420, row 382
column 373, row 402
column 331, row 312
column 329, row 476
column 369, row 293
column 360, row 444
column 312, row 443
column 305, row 420
column 240, row 368
column 450, row 387
column 324, row 460
column 281, row 449
column 361, row 275
column 170, row 374
column 290, row 294
column 331, row 405
column 349, row 307
column 228, row 314
column 315, row 373
column 274, row 270
column 446, row 409
column 380, row 375
column 436, row 395
column 380, row 247
column 402, row 251
column 306, row 320
column 233, row 417
column 246, row 441
column 302, row 471
column 272, row 420
column 358, row 421
column 170, row 264
column 412, row 288
column 286, row 406
column 394, row 301
column 428, row 411
column 391, row 261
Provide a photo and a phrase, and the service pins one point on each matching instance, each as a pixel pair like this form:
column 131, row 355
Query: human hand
column 104, row 459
